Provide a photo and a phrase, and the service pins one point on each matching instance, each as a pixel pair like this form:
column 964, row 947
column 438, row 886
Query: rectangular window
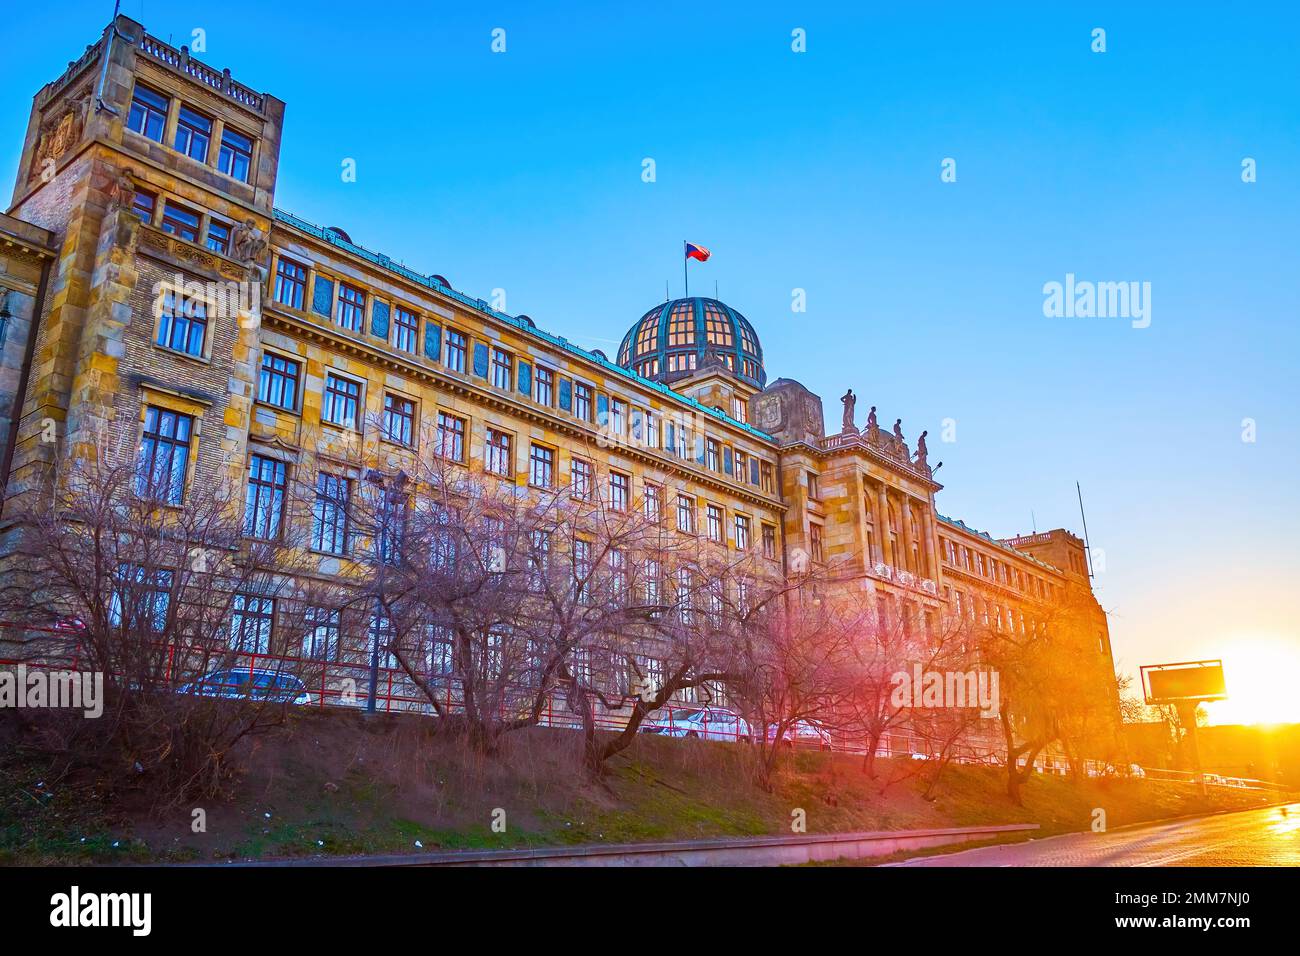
column 742, row 533
column 218, row 239
column 618, row 417
column 193, row 134
column 654, row 502
column 685, row 444
column 499, row 460
column 329, row 531
column 180, row 221
column 399, row 419
column 539, row 558
column 618, row 576
column 711, row 457
column 380, row 635
column 686, row 514
column 236, row 154
column 278, row 384
column 164, row 455
column 501, row 364
column 582, row 401
column 251, row 621
column 769, row 541
column 651, row 430
column 183, row 325
column 580, row 477
column 441, row 655
column 456, row 347
column 620, row 489
column 739, row 409
column 685, row 596
column 653, row 577
column 390, row 527
column 815, row 541
column 544, row 386
column 342, row 401
column 143, row 205
column 148, row 115
column 582, row 570
column 713, row 514
column 351, row 308
column 541, row 466
column 406, row 325
column 765, row 478
column 324, row 628
column 451, row 437
column 742, row 467
column 264, row 499
column 814, row 487
column 290, row 283
column 141, row 598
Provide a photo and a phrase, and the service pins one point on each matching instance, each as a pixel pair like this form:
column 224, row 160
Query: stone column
column 905, row 515
column 932, row 530
column 102, row 340
column 857, row 493
column 882, row 526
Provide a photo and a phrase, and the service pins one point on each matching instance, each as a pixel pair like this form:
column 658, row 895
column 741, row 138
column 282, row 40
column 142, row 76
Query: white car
column 707, row 723
column 240, row 683
column 803, row 733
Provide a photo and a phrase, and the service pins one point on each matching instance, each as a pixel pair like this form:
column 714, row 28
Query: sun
column 1261, row 674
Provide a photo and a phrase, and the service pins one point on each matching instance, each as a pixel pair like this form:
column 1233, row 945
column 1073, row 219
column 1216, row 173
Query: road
column 1265, row 837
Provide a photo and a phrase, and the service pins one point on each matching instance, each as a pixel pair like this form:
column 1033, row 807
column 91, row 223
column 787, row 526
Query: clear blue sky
column 821, row 171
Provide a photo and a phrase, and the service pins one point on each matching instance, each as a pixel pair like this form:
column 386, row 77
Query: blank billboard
column 1199, row 680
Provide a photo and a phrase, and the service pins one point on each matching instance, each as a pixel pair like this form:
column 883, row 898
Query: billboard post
column 1186, row 685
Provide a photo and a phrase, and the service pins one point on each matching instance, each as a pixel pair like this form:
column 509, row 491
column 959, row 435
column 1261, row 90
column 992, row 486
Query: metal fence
column 387, row 688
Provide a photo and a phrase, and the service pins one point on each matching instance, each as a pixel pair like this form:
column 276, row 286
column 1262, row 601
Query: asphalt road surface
column 1266, row 837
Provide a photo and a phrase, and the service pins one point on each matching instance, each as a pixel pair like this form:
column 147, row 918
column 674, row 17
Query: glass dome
column 675, row 339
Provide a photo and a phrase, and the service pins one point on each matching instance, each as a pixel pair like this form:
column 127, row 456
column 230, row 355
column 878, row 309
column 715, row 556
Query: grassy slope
column 340, row 783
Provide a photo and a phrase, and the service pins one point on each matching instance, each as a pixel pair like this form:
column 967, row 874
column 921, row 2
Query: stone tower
column 148, row 177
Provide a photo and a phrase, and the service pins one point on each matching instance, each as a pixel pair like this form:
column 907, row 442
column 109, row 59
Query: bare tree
column 895, row 647
column 107, row 575
column 794, row 663
column 1052, row 688
column 706, row 608
column 499, row 600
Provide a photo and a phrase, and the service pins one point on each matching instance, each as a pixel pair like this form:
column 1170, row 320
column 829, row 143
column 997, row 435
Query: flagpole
column 686, row 282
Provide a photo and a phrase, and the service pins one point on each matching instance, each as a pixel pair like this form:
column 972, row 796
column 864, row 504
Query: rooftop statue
column 850, row 402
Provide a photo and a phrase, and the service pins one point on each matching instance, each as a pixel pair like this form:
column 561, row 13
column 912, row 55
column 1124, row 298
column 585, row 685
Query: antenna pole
column 686, row 279
column 1086, row 545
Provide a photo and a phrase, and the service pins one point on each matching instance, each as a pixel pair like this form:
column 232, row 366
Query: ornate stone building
column 155, row 296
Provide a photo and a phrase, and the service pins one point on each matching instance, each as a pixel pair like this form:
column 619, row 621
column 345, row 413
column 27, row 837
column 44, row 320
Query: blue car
column 239, row 683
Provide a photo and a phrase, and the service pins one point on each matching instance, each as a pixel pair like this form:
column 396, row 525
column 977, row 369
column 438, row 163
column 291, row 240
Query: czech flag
column 696, row 252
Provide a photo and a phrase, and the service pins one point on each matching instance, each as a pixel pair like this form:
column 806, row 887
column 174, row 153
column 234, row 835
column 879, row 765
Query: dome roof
column 676, row 338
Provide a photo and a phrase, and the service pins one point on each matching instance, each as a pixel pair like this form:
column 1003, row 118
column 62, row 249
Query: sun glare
column 1260, row 673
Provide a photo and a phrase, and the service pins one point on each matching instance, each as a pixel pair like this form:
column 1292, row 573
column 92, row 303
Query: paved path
column 1264, row 837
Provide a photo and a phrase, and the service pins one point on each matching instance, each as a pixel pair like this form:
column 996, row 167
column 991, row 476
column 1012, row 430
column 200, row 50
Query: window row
column 349, row 306
column 192, row 132
column 1002, row 572
column 183, row 221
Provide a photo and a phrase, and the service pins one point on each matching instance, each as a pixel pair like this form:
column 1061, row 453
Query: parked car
column 239, row 683
column 708, row 723
column 803, row 733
